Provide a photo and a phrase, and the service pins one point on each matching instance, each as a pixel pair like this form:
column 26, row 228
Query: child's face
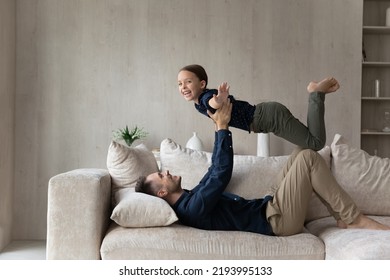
column 190, row 87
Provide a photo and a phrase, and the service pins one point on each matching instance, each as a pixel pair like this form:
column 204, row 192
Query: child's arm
column 221, row 97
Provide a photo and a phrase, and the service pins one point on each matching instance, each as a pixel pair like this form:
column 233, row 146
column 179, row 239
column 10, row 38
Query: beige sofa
column 95, row 213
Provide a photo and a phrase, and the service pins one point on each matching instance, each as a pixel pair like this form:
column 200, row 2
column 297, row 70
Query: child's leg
column 276, row 118
column 316, row 121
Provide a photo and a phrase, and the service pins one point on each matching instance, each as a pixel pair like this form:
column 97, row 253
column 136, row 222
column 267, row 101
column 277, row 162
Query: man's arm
column 221, row 119
column 222, row 160
column 215, row 181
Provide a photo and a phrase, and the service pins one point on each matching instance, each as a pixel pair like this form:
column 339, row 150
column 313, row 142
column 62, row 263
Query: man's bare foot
column 327, row 85
column 341, row 224
column 363, row 222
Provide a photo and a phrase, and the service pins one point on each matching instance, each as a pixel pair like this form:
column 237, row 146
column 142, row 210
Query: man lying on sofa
column 209, row 207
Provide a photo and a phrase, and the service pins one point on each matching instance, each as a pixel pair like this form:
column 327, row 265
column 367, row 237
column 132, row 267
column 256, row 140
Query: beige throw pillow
column 365, row 178
column 132, row 209
column 127, row 164
column 141, row 210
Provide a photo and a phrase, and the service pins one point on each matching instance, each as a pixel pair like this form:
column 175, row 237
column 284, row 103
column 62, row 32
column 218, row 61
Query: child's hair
column 197, row 70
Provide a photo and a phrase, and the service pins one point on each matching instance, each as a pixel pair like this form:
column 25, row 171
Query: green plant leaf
column 128, row 136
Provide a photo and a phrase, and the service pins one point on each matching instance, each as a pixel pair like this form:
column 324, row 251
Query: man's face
column 164, row 183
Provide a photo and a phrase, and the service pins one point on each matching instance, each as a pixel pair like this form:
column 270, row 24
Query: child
column 264, row 117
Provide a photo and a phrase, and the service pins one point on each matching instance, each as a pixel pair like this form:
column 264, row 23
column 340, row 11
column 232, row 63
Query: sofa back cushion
column 365, row 178
column 252, row 177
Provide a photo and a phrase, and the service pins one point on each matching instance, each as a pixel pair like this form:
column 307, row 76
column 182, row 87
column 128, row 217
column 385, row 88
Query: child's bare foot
column 327, row 85
column 363, row 222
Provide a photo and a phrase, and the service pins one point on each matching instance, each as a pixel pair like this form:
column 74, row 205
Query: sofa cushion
column 141, row 210
column 127, row 164
column 131, row 209
column 352, row 243
column 180, row 242
column 252, row 176
column 365, row 178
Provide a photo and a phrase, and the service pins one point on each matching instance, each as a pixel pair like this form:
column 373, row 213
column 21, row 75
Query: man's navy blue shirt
column 208, row 206
column 242, row 111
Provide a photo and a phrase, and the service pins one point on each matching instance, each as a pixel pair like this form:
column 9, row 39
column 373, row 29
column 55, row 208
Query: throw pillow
column 131, row 209
column 365, row 178
column 127, row 164
column 141, row 210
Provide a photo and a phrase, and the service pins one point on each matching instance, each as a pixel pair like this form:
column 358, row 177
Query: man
column 209, row 207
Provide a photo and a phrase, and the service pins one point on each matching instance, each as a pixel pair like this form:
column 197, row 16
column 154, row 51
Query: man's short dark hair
column 143, row 186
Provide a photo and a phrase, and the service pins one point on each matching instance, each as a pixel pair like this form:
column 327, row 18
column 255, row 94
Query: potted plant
column 129, row 136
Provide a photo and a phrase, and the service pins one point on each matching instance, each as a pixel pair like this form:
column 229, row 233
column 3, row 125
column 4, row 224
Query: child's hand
column 223, row 93
column 222, row 116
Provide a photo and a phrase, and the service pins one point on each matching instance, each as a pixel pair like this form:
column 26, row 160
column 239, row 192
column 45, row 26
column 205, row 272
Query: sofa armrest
column 78, row 213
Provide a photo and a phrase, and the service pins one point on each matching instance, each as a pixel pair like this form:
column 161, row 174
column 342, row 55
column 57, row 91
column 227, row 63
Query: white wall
column 86, row 68
column 7, row 94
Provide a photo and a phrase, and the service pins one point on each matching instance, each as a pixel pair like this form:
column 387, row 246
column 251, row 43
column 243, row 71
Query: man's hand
column 221, row 117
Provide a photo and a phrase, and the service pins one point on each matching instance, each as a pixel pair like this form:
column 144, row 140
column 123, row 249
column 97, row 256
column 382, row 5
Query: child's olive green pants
column 304, row 173
column 276, row 118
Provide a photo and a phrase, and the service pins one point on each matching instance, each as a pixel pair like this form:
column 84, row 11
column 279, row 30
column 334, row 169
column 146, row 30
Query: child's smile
column 190, row 86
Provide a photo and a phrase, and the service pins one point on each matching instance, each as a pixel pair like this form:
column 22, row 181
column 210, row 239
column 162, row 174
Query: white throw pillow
column 126, row 165
column 365, row 178
column 141, row 210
